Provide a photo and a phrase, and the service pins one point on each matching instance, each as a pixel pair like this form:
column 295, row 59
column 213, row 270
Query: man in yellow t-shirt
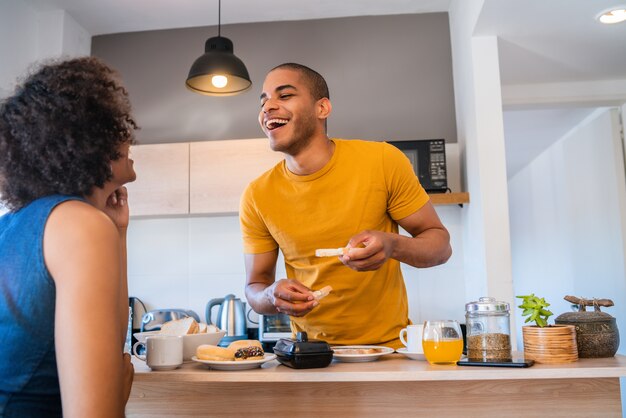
column 331, row 193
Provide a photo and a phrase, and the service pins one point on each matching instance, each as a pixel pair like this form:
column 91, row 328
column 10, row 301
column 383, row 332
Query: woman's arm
column 116, row 208
column 82, row 253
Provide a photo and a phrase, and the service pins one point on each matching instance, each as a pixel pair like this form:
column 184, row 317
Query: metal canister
column 488, row 330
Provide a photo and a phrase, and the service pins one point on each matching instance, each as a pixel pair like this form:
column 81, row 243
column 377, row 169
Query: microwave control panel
column 428, row 158
column 437, row 164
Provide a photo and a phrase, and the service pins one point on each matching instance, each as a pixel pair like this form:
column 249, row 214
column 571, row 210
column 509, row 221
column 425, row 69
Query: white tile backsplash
column 205, row 287
column 158, row 246
column 160, row 291
column 215, row 246
column 183, row 262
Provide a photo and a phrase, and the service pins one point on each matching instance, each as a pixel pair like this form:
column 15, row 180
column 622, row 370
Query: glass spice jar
column 488, row 330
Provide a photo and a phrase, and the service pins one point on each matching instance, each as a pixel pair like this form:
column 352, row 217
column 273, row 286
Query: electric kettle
column 231, row 317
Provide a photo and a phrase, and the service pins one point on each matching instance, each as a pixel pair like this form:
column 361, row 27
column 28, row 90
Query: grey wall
column 390, row 77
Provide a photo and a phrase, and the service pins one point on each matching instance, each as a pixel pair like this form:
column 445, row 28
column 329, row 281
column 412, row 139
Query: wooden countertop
column 393, row 367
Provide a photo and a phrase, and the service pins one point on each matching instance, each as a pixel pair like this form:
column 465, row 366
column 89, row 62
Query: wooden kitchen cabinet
column 221, row 170
column 208, row 177
column 162, row 185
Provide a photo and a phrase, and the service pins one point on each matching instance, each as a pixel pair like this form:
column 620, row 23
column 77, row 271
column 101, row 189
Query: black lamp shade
column 218, row 59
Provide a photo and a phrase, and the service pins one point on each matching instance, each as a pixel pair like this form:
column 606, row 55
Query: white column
column 487, row 247
column 490, row 161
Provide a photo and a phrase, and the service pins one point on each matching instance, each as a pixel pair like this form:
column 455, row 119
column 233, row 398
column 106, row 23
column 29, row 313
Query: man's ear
column 324, row 107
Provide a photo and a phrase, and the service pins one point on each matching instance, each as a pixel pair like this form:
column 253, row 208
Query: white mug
column 413, row 341
column 163, row 352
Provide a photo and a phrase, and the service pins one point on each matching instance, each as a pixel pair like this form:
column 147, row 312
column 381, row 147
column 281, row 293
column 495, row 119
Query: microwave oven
column 428, row 158
column 274, row 327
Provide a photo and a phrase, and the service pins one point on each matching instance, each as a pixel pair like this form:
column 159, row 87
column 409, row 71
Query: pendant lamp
column 218, row 72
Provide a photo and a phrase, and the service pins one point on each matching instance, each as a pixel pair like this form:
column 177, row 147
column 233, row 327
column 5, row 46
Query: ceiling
column 114, row 16
column 555, row 41
column 539, row 41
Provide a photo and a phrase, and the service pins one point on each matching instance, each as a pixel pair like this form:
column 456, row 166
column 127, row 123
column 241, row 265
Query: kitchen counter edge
column 394, row 367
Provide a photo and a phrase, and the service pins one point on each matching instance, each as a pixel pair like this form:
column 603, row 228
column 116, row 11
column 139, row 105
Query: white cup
column 413, row 340
column 163, row 352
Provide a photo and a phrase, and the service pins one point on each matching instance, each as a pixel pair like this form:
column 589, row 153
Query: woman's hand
column 128, row 373
column 117, row 207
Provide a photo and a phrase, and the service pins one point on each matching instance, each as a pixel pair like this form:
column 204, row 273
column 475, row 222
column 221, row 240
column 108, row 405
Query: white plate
column 411, row 354
column 235, row 364
column 359, row 358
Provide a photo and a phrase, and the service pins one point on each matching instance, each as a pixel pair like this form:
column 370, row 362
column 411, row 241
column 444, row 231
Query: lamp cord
column 219, row 17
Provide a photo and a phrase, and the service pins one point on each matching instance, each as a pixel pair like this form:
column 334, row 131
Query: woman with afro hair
column 64, row 144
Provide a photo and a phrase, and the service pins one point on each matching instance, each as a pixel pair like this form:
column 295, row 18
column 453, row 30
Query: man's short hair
column 317, row 84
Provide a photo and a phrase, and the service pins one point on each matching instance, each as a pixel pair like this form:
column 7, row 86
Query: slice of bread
column 212, row 328
column 182, row 326
column 202, row 328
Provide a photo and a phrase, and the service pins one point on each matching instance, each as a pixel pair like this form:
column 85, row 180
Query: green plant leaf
column 546, row 313
column 534, row 309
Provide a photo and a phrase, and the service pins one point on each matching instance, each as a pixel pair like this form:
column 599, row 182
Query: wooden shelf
column 449, row 198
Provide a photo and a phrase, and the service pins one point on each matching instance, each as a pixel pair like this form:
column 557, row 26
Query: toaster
column 152, row 320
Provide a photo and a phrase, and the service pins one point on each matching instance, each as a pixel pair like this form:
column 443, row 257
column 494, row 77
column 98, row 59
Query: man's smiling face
column 288, row 111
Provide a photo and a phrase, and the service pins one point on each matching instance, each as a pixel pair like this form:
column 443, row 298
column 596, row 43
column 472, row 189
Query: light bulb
column 613, row 16
column 219, row 81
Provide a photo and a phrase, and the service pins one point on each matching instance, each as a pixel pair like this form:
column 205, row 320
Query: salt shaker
column 488, row 330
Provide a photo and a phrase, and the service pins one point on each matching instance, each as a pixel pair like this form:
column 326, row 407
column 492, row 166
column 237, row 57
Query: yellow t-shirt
column 365, row 185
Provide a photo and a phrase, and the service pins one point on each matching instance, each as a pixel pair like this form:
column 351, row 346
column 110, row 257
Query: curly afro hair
column 60, row 131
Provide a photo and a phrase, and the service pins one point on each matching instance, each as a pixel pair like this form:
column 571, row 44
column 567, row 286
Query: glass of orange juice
column 442, row 341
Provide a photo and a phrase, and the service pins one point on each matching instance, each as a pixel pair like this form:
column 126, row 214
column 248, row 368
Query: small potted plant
column 546, row 343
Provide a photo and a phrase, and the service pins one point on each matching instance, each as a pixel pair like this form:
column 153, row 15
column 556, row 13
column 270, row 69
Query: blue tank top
column 28, row 369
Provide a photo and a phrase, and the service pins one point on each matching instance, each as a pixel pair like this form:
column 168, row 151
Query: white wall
column 61, row 36
column 183, row 262
column 567, row 219
column 18, row 42
column 27, row 36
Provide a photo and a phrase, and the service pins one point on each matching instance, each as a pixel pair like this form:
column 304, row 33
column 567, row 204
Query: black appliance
column 428, row 158
column 302, row 353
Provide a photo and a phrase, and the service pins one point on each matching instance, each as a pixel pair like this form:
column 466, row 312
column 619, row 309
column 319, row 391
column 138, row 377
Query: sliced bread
column 182, row 326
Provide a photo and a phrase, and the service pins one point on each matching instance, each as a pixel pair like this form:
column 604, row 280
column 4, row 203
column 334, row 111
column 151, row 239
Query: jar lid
column 487, row 304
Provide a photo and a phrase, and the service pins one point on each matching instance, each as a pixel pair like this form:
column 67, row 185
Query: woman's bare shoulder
column 81, row 216
column 78, row 231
